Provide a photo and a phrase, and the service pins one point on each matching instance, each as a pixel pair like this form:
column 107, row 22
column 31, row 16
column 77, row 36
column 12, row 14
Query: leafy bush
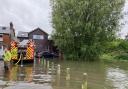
column 122, row 57
column 123, row 45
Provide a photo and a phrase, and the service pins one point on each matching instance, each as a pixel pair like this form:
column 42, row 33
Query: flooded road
column 49, row 75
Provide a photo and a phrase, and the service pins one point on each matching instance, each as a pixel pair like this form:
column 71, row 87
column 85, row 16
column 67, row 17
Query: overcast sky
column 26, row 15
column 124, row 28
column 30, row 14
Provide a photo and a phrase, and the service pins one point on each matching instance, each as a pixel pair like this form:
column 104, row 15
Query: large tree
column 84, row 27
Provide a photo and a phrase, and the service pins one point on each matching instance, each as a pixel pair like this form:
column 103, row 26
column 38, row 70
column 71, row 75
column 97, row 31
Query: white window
column 40, row 37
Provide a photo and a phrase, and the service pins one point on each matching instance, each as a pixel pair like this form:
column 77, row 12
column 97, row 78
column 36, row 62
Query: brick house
column 40, row 38
column 6, row 35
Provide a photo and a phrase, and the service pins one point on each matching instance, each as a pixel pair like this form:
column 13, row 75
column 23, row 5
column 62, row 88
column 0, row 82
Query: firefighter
column 7, row 59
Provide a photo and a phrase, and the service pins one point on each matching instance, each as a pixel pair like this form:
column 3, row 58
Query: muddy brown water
column 100, row 75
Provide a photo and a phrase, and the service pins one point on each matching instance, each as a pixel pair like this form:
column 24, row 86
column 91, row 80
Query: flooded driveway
column 49, row 75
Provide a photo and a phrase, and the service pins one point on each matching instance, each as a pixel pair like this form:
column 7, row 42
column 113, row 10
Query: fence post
column 34, row 65
column 44, row 62
column 47, row 64
column 58, row 69
column 52, row 66
column 84, row 83
column 67, row 73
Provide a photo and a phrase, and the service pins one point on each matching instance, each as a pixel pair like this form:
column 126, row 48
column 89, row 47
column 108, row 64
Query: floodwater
column 48, row 75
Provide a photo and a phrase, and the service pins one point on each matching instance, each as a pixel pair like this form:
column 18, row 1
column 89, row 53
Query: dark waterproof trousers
column 6, row 65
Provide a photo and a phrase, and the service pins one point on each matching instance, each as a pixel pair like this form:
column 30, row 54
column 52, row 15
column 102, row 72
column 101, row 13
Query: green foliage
column 122, row 57
column 107, row 57
column 117, row 50
column 113, row 45
column 83, row 27
column 123, row 45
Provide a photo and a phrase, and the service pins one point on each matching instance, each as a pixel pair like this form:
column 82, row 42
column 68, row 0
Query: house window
column 1, row 37
column 3, row 28
column 39, row 37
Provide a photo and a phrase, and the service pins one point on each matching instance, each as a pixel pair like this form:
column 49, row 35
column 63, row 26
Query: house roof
column 5, row 30
column 38, row 29
column 22, row 34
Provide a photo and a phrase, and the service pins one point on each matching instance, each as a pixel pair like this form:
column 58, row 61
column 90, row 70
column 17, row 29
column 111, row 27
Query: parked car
column 46, row 54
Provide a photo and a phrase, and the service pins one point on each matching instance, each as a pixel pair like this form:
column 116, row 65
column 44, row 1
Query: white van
column 1, row 51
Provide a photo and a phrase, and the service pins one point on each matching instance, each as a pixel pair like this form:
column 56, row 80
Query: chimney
column 11, row 25
column 12, row 28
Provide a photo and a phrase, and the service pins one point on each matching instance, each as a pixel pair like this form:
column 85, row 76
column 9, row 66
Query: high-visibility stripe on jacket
column 7, row 56
column 14, row 52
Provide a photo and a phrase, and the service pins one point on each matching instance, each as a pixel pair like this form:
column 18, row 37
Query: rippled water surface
column 46, row 75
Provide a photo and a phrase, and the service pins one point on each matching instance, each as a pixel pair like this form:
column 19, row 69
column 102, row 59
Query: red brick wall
column 6, row 39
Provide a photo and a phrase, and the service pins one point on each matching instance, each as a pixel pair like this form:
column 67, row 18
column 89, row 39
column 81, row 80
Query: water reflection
column 95, row 71
column 100, row 75
column 118, row 78
column 18, row 73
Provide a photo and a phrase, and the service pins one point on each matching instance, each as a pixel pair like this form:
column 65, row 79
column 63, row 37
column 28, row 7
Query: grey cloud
column 124, row 27
column 26, row 14
column 29, row 14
